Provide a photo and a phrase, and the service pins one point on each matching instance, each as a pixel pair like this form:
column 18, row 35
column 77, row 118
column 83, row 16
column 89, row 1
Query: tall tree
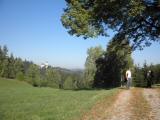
column 90, row 66
column 19, row 69
column 11, row 67
column 113, row 65
column 33, row 75
column 69, row 84
column 137, row 20
column 19, row 65
column 139, row 77
column 5, row 71
column 53, row 78
column 156, row 73
column 3, row 61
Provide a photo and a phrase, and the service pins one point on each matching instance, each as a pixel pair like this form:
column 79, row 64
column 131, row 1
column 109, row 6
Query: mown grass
column 20, row 101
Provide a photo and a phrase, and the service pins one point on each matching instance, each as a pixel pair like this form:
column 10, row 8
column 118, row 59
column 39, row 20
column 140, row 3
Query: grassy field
column 21, row 101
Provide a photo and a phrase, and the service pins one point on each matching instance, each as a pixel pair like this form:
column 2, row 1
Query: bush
column 20, row 76
column 68, row 84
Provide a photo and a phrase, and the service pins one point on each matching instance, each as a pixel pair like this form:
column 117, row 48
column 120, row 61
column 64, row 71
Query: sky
column 32, row 30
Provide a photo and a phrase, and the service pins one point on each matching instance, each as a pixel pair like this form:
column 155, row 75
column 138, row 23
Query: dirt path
column 112, row 108
column 133, row 104
column 152, row 96
column 120, row 109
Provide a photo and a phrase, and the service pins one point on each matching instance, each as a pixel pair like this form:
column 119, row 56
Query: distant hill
column 79, row 71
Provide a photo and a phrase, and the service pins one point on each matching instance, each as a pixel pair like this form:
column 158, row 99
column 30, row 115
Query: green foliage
column 140, row 74
column 136, row 20
column 77, row 19
column 68, row 84
column 4, row 71
column 34, row 75
column 156, row 73
column 90, row 66
column 8, row 69
column 11, row 67
column 139, row 79
column 19, row 66
column 113, row 65
column 137, row 8
column 21, row 101
column 53, row 78
column 20, row 76
column 105, row 68
column 3, row 62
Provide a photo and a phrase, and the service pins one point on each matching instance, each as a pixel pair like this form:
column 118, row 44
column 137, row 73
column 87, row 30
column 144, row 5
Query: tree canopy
column 136, row 20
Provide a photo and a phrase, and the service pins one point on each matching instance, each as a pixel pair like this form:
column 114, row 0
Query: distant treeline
column 103, row 69
column 106, row 68
column 23, row 70
column 140, row 74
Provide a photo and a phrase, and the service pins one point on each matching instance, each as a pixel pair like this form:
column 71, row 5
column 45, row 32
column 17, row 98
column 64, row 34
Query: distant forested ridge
column 24, row 70
column 103, row 69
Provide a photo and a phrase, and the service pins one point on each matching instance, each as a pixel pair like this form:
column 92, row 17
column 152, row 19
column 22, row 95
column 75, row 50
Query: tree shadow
column 89, row 89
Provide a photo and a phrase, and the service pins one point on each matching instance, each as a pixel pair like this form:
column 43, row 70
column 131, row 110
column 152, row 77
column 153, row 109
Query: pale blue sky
column 32, row 30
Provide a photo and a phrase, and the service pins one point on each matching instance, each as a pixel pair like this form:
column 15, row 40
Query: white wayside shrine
column 44, row 65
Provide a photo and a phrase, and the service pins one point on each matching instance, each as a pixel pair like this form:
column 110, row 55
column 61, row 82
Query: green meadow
column 21, row 101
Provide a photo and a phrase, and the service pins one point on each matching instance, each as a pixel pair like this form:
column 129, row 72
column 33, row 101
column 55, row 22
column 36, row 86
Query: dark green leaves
column 137, row 20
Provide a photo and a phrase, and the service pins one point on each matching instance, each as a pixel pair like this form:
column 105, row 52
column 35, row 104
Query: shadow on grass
column 88, row 89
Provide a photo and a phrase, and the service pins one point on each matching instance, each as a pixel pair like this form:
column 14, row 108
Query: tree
column 11, row 67
column 139, row 77
column 4, row 61
column 19, row 69
column 90, row 65
column 1, row 59
column 19, row 66
column 68, row 84
column 20, row 76
column 156, row 73
column 113, row 65
column 53, row 78
column 137, row 20
column 27, row 65
column 77, row 79
column 33, row 75
column 5, row 71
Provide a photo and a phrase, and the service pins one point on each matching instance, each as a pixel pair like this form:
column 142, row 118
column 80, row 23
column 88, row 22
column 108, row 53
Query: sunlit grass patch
column 20, row 101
